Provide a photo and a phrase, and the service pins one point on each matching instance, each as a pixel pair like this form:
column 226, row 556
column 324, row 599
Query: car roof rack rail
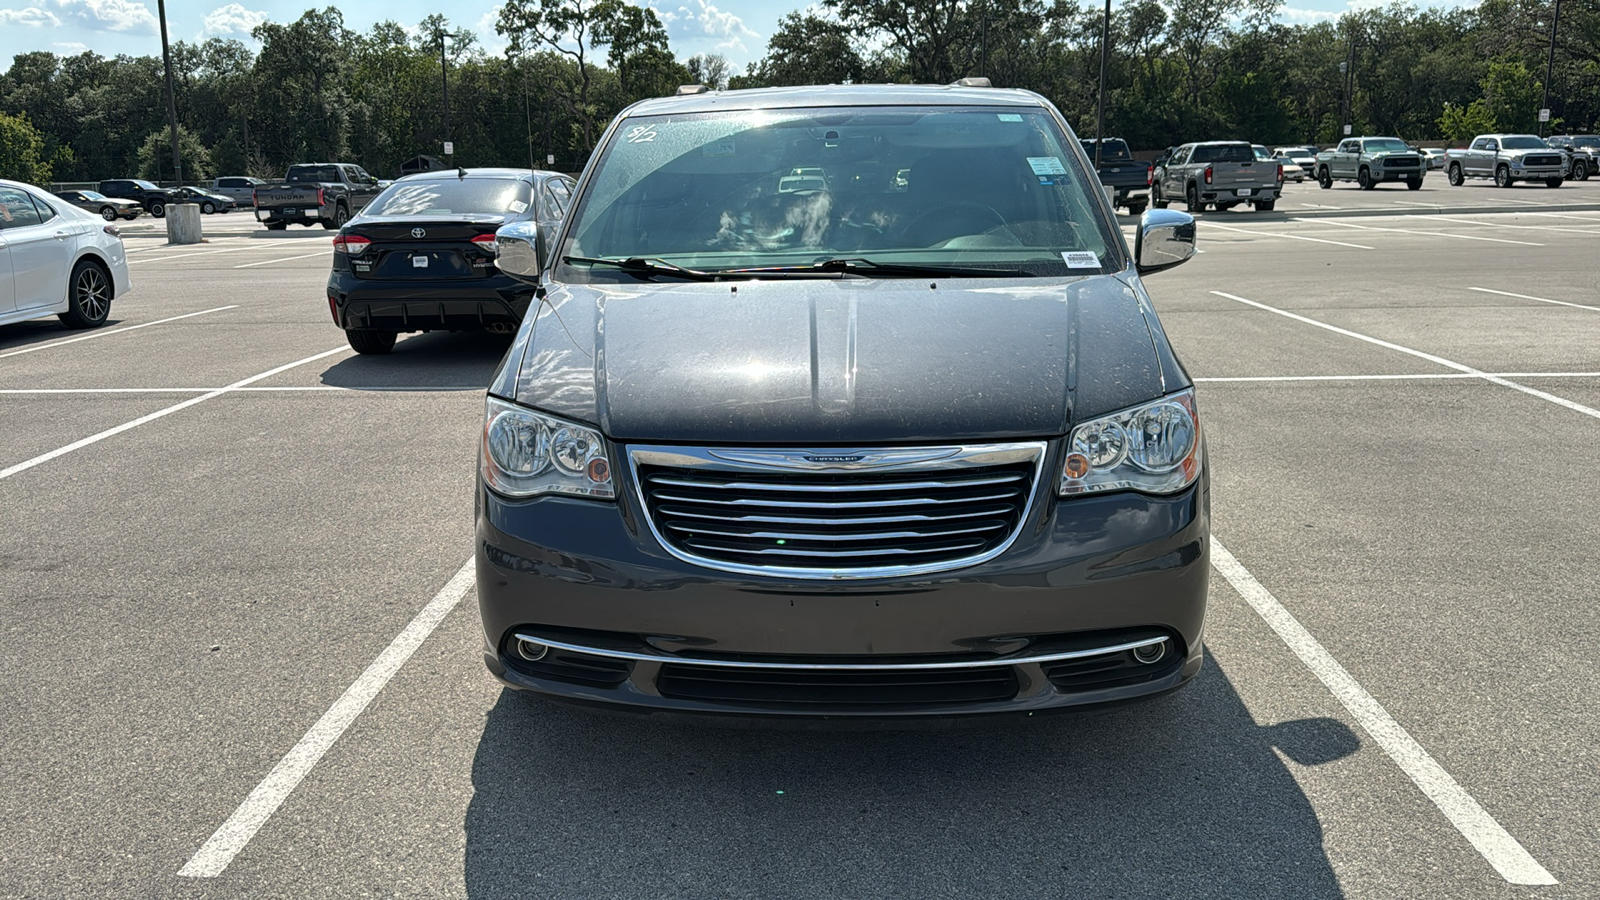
column 684, row 89
column 971, row 81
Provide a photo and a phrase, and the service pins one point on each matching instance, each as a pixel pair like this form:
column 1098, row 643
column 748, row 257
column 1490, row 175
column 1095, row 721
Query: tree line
column 316, row 90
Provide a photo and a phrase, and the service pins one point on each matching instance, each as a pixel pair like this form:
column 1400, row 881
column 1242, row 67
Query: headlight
column 1153, row 448
column 525, row 454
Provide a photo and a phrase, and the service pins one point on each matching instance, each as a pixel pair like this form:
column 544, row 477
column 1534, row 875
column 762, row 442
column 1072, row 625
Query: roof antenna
column 461, row 173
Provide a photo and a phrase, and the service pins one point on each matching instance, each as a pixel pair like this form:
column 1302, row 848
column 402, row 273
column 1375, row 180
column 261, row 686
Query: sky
column 738, row 29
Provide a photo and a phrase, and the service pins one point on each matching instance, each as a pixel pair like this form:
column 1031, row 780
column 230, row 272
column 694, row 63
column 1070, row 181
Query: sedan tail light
column 1208, row 174
column 352, row 244
column 485, row 242
column 112, row 230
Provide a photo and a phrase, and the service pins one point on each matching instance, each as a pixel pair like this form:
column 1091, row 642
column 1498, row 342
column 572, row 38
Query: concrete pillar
column 183, row 223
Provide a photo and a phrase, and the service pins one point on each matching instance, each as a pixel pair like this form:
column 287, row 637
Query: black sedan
column 209, row 203
column 421, row 256
column 108, row 208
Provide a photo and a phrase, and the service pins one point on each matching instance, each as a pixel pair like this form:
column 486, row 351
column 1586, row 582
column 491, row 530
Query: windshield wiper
column 860, row 266
column 643, row 266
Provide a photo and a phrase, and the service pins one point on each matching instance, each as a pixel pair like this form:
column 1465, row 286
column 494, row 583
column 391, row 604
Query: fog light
column 1151, row 653
column 532, row 651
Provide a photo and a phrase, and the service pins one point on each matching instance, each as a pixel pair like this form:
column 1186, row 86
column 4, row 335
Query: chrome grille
column 837, row 514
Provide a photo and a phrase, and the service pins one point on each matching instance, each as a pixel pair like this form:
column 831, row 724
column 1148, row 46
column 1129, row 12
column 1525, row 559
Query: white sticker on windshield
column 1010, row 117
column 517, row 206
column 1080, row 259
column 1046, row 165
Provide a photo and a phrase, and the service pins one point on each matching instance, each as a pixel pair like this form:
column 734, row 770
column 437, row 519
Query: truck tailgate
column 288, row 196
column 1238, row 175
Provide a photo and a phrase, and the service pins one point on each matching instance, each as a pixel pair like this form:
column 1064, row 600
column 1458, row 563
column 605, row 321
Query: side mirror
column 517, row 251
column 1165, row 239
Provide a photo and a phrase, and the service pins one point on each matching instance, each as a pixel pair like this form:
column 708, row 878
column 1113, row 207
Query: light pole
column 1549, row 67
column 444, row 77
column 1100, row 117
column 172, row 104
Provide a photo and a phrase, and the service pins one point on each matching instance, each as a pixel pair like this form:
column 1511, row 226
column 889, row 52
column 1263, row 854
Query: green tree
column 155, row 157
column 22, row 151
column 806, row 49
column 1511, row 97
column 1460, row 124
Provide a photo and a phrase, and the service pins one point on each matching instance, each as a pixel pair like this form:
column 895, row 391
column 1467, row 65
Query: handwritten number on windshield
column 642, row 134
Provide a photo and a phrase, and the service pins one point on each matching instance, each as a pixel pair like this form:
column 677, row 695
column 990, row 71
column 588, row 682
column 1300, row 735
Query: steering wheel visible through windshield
column 964, row 188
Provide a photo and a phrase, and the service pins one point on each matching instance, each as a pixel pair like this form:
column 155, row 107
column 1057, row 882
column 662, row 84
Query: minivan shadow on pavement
column 1180, row 797
column 438, row 361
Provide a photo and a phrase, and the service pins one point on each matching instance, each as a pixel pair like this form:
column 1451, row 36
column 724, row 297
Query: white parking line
column 1540, row 299
column 1497, row 846
column 268, row 262
column 232, row 836
column 1449, row 364
column 1435, row 376
column 338, row 389
column 1464, row 237
column 1294, row 237
column 112, row 432
column 175, row 247
column 134, row 262
column 100, row 334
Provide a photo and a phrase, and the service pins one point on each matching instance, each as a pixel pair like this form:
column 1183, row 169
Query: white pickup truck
column 1508, row 159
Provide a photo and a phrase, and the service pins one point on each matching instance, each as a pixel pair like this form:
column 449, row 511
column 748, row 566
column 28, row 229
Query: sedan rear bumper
column 497, row 303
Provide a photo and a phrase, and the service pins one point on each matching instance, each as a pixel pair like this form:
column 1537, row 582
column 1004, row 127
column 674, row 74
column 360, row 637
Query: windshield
column 145, row 185
column 1384, row 145
column 456, row 197
column 957, row 187
column 1223, row 153
column 312, row 173
column 1260, row 151
column 1522, row 142
column 91, row 195
column 1587, row 140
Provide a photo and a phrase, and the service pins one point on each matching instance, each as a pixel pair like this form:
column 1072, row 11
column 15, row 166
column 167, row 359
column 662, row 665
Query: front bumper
column 443, row 305
column 1406, row 173
column 632, row 626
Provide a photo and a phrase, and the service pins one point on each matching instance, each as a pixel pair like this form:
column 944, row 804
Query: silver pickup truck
column 1223, row 174
column 1370, row 161
column 1508, row 159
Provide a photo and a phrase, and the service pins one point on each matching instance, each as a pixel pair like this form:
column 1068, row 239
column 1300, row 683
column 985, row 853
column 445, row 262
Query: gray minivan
column 904, row 438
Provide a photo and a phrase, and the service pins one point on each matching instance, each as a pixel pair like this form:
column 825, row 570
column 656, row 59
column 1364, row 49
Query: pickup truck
column 1220, row 173
column 1583, row 154
column 1508, row 159
column 1370, row 161
column 154, row 200
column 315, row 193
column 1128, row 178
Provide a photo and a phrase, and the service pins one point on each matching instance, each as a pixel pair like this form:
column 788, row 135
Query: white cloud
column 31, row 17
column 1307, row 16
column 700, row 20
column 107, row 15
column 73, row 47
column 233, row 19
column 489, row 39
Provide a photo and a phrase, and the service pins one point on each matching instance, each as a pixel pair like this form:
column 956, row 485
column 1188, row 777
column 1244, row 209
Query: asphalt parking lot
column 242, row 659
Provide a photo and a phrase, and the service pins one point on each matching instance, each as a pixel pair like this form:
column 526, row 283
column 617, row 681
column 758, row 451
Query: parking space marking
column 1464, row 237
column 126, row 426
column 134, row 262
column 1295, row 237
column 1489, row 837
column 268, row 262
column 99, row 334
column 175, row 247
column 1528, row 297
column 1435, row 376
column 232, row 836
column 1439, row 360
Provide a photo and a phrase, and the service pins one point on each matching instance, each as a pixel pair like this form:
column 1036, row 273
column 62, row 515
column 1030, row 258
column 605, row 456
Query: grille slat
column 820, row 522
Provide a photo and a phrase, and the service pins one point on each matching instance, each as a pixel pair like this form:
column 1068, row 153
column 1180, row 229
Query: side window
column 45, row 210
column 1180, row 157
column 1491, row 144
column 557, row 197
column 17, row 210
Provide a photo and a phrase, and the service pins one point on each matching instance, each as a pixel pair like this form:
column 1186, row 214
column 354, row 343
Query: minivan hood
column 837, row 361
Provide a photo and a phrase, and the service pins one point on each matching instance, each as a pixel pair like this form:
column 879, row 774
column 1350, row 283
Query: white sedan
column 56, row 259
